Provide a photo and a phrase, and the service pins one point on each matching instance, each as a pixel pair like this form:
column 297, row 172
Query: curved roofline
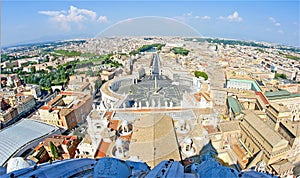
column 16, row 147
column 160, row 17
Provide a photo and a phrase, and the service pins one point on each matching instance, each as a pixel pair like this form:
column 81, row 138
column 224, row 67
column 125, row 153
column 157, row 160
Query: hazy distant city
column 150, row 97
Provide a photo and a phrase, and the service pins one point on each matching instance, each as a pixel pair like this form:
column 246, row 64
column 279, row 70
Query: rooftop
column 281, row 94
column 282, row 166
column 234, row 105
column 280, row 107
column 263, row 98
column 253, row 82
column 13, row 138
column 292, row 126
column 229, row 126
column 266, row 132
column 154, row 139
column 102, row 149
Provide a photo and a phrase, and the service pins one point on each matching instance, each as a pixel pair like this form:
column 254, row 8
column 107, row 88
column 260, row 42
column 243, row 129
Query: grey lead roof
column 18, row 135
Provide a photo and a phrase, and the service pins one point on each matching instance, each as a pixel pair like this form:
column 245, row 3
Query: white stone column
column 171, row 104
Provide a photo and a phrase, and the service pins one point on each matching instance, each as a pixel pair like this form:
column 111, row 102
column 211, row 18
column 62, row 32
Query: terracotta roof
column 54, row 100
column 113, row 124
column 72, row 93
column 206, row 96
column 38, row 147
column 45, row 107
column 108, row 114
column 126, row 137
column 264, row 99
column 210, row 129
column 102, row 149
column 239, row 152
column 198, row 96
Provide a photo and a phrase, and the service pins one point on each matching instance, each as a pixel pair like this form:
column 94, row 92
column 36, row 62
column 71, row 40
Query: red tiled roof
column 54, row 100
column 38, row 147
column 206, row 96
column 198, row 96
column 102, row 149
column 126, row 138
column 72, row 93
column 210, row 129
column 264, row 99
column 45, row 107
column 239, row 151
column 113, row 124
column 65, row 142
column 108, row 114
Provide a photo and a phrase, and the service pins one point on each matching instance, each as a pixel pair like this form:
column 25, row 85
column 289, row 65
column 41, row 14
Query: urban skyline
column 269, row 21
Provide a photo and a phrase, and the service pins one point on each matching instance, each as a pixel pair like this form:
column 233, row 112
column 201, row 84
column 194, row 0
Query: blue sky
column 270, row 21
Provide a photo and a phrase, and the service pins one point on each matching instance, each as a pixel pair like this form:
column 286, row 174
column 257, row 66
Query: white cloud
column 102, row 19
column 187, row 16
column 50, row 13
column 235, row 17
column 184, row 17
column 274, row 21
column 73, row 15
column 205, row 17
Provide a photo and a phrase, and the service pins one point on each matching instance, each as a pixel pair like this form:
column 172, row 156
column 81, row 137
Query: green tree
column 32, row 69
column 11, row 68
column 48, row 83
column 54, row 150
column 90, row 73
column 283, row 76
column 42, row 82
column 201, row 74
column 180, row 50
column 46, row 59
column 49, row 67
